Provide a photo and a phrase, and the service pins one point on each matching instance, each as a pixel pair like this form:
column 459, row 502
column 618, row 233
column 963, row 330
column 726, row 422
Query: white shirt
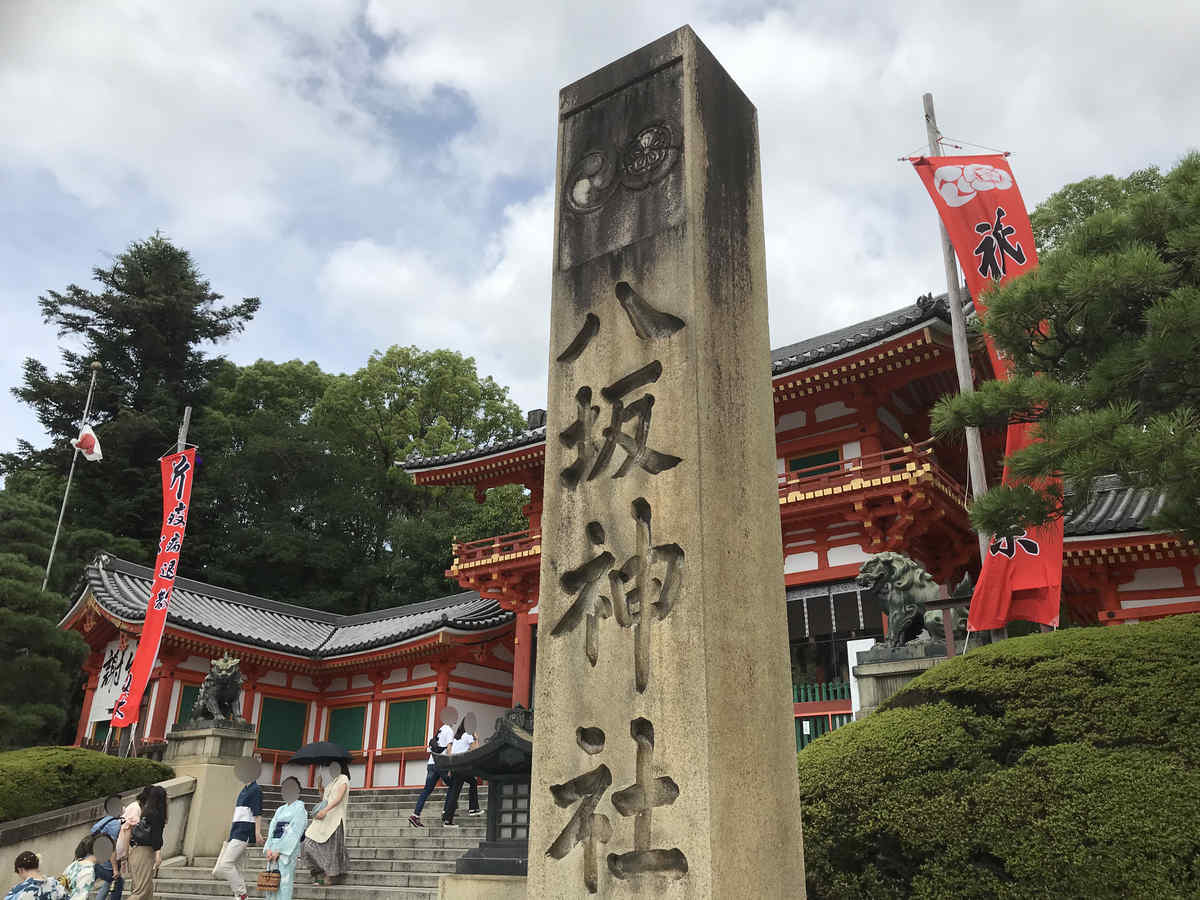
column 445, row 736
column 462, row 744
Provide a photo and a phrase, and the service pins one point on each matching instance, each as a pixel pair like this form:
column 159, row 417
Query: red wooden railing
column 501, row 545
column 869, row 467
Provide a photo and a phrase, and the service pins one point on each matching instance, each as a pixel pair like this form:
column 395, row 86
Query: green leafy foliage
column 39, row 664
column 146, row 326
column 1052, row 765
column 297, row 494
column 40, row 779
column 1104, row 338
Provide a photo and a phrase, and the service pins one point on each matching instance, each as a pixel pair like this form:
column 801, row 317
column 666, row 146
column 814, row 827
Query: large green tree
column 1104, row 338
column 148, row 325
column 407, row 401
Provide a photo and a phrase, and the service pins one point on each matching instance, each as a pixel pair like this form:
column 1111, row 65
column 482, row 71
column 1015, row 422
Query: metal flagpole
column 87, row 408
column 958, row 332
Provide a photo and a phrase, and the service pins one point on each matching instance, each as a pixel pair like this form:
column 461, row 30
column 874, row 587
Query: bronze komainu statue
column 902, row 589
column 218, row 697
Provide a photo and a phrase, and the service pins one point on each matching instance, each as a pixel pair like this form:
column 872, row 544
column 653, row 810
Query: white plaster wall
column 502, row 694
column 423, row 671
column 324, row 723
column 338, row 684
column 788, row 421
column 360, row 681
column 278, row 679
column 414, row 771
column 1164, row 601
column 846, row 554
column 799, row 562
column 387, row 774
column 396, row 675
column 310, row 727
column 300, row 772
column 893, row 424
column 256, row 709
column 303, row 683
column 358, row 775
column 1154, row 580
column 851, row 450
column 196, row 664
column 380, row 712
column 832, row 411
column 481, row 673
column 485, row 715
column 780, row 466
column 176, row 690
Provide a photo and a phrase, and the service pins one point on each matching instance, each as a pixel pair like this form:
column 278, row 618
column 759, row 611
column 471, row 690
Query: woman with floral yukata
column 282, row 848
column 33, row 884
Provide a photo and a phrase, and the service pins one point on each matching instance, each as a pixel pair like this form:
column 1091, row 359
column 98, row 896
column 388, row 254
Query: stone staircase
column 389, row 859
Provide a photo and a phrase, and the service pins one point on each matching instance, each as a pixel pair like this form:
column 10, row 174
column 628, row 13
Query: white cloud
column 260, row 123
column 496, row 311
column 206, row 115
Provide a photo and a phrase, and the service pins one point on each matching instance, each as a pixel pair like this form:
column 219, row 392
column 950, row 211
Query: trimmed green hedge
column 1053, row 765
column 39, row 779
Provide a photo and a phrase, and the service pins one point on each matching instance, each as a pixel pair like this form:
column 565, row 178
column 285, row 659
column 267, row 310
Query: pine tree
column 1105, row 341
column 147, row 327
column 39, row 664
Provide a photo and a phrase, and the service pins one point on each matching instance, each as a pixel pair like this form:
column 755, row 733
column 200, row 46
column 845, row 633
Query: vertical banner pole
column 958, row 331
column 177, row 470
column 87, row 408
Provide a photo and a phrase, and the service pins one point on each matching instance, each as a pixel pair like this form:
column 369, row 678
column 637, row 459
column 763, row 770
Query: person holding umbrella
column 324, row 848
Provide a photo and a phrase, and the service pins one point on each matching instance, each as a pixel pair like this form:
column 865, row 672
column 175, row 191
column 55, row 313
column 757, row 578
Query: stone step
column 391, row 878
column 305, row 892
column 334, row 892
column 254, row 860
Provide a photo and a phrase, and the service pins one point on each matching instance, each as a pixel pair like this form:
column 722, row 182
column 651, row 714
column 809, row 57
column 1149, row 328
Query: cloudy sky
column 381, row 171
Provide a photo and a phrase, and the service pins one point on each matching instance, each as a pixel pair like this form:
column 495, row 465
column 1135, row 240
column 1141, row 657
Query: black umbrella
column 320, row 753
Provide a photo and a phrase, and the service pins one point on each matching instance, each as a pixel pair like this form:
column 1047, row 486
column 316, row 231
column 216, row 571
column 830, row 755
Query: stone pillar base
column 209, row 755
column 481, row 887
column 877, row 681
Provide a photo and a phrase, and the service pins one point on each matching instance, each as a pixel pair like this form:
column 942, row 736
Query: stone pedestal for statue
column 891, row 670
column 209, row 752
column 664, row 762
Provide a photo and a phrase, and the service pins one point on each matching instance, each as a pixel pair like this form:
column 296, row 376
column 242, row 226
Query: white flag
column 88, row 444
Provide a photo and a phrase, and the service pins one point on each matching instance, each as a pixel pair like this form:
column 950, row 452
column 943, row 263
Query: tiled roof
column 526, row 438
column 854, row 337
column 122, row 588
column 1114, row 509
column 793, row 356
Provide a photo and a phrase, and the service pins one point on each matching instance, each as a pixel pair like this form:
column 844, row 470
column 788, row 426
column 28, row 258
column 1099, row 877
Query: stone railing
column 55, row 834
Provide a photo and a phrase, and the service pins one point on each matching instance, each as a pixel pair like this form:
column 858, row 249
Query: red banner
column 1022, row 573
column 981, row 207
column 177, row 472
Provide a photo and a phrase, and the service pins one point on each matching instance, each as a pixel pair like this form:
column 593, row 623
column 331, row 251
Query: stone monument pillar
column 664, row 759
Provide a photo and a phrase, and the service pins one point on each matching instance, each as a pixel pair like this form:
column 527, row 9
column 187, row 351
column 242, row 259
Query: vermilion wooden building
column 857, row 474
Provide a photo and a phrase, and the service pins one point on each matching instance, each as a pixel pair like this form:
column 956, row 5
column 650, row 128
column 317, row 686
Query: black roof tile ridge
column 277, row 606
column 926, row 307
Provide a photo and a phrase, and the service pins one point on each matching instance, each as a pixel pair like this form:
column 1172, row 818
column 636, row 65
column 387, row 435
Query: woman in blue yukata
column 283, row 841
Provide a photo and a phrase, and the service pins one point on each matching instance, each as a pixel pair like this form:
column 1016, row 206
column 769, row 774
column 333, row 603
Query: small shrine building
column 858, row 473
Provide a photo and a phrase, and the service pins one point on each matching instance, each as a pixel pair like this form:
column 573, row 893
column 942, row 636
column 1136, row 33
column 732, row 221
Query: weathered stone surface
column 877, row 681
column 664, row 755
column 210, row 756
